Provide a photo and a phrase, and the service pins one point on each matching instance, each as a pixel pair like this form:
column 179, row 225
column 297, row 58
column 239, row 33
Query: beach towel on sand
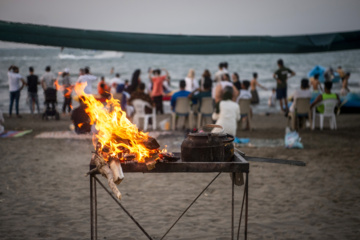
column 63, row 135
column 10, row 134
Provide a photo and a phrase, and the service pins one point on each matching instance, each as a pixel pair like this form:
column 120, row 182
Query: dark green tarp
column 176, row 44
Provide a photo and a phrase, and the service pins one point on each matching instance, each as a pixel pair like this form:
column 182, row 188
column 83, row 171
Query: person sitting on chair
column 326, row 95
column 244, row 91
column 245, row 94
column 228, row 112
column 140, row 94
column 181, row 93
column 205, row 92
column 303, row 92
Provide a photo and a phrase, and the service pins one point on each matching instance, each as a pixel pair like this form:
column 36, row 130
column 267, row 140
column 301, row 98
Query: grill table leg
column 93, row 208
column 232, row 206
column 246, row 203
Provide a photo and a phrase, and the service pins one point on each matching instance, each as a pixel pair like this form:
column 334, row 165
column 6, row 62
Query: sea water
column 101, row 62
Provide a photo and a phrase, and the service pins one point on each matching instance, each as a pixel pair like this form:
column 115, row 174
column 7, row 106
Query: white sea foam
column 19, row 58
column 102, row 55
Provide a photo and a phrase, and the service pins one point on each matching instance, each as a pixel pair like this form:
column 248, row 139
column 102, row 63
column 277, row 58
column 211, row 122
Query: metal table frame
column 238, row 166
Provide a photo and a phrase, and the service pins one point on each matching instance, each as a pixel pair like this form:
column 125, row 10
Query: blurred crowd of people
column 225, row 88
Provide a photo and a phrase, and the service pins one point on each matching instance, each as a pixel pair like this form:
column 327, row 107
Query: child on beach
column 272, row 98
column 254, row 93
column 315, row 83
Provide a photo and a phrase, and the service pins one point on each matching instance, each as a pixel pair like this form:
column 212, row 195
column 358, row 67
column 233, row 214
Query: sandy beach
column 44, row 194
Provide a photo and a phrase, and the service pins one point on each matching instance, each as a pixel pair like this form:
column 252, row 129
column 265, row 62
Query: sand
column 44, row 194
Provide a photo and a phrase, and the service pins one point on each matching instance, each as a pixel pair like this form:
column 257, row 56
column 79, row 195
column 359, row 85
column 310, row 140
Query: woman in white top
column 229, row 113
column 303, row 92
column 191, row 83
column 219, row 89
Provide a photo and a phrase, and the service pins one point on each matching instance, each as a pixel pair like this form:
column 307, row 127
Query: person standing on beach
column 48, row 79
column 88, row 79
column 253, row 83
column 281, row 76
column 315, row 83
column 114, row 82
column 135, row 81
column 32, row 83
column 236, row 80
column 67, row 90
column 225, row 67
column 341, row 72
column 191, row 83
column 157, row 90
column 219, row 73
column 14, row 88
column 344, row 88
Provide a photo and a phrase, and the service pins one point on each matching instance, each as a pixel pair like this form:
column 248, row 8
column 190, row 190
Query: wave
column 102, row 55
column 25, row 58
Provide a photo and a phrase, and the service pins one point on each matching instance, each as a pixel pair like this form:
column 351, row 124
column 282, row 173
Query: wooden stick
column 105, row 170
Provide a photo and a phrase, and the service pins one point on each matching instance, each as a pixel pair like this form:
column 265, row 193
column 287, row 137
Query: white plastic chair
column 139, row 106
column 301, row 109
column 183, row 109
column 329, row 106
column 206, row 110
column 245, row 111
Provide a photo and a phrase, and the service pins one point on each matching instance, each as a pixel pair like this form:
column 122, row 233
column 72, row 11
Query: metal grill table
column 237, row 167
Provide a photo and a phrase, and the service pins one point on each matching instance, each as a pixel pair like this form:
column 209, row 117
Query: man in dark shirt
column 32, row 83
column 80, row 118
column 281, row 76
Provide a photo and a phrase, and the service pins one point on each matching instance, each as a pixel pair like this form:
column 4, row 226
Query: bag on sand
column 292, row 139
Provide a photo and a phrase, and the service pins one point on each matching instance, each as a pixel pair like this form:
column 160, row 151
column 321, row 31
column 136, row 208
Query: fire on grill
column 116, row 139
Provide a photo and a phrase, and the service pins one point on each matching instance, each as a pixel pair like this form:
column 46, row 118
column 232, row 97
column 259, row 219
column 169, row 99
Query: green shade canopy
column 175, row 44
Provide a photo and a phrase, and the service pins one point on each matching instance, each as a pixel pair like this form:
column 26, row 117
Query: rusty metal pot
column 202, row 147
column 208, row 146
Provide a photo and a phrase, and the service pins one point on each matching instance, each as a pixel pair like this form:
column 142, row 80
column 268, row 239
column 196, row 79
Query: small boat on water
column 321, row 71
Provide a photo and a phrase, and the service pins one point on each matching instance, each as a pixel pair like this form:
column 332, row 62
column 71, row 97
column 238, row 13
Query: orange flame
column 115, row 131
column 164, row 150
column 67, row 90
column 58, row 86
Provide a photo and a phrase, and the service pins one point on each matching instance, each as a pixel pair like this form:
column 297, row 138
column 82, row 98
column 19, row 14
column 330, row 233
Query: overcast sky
column 190, row 17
